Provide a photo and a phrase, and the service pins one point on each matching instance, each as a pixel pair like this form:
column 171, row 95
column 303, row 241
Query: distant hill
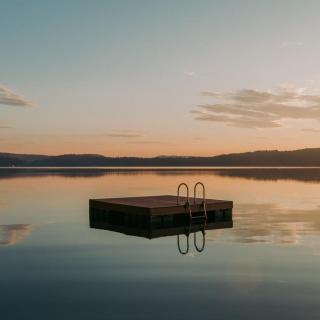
column 304, row 158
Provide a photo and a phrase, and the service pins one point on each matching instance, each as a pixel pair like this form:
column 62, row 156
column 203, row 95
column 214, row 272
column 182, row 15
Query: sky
column 149, row 78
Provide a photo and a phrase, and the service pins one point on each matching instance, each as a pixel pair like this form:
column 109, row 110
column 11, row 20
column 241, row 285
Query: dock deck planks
column 157, row 205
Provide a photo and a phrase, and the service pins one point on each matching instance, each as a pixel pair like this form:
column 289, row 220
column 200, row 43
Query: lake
column 54, row 266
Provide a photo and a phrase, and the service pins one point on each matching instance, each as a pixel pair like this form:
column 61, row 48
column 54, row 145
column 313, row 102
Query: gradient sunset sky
column 159, row 77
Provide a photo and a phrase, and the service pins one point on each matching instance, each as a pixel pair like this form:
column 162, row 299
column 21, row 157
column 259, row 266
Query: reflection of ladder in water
column 194, row 219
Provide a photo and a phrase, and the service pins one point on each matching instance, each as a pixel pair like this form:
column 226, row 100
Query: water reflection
column 265, row 174
column 178, row 225
column 264, row 267
column 274, row 174
column 14, row 233
column 271, row 224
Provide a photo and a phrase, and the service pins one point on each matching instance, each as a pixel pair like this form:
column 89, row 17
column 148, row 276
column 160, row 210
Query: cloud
column 152, row 142
column 249, row 108
column 125, row 133
column 189, row 73
column 9, row 97
column 4, row 127
column 14, row 233
column 199, row 138
column 135, row 137
column 311, row 130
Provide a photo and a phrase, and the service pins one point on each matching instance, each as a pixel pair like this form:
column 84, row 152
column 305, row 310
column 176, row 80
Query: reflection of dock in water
column 160, row 216
column 156, row 216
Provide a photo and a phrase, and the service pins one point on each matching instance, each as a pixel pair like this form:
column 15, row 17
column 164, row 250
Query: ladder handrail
column 178, row 192
column 203, row 204
column 203, row 240
column 187, row 204
column 178, row 243
column 195, row 192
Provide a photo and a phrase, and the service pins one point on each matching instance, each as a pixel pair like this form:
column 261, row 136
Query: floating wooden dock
column 158, row 205
column 156, row 216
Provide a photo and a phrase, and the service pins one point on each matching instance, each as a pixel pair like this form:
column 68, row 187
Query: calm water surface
column 53, row 266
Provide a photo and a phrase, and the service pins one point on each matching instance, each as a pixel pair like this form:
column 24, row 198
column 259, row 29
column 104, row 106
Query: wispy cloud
column 10, row 98
column 4, row 126
column 14, row 233
column 151, row 142
column 189, row 73
column 135, row 137
column 199, row 138
column 125, row 133
column 311, row 130
column 250, row 108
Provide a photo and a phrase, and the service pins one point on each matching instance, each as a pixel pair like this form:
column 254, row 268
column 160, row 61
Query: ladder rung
column 198, row 217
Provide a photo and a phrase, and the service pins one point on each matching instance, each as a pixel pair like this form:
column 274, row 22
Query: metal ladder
column 195, row 204
column 193, row 219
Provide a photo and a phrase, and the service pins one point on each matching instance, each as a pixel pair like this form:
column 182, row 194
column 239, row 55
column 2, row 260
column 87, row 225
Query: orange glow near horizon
column 56, row 145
